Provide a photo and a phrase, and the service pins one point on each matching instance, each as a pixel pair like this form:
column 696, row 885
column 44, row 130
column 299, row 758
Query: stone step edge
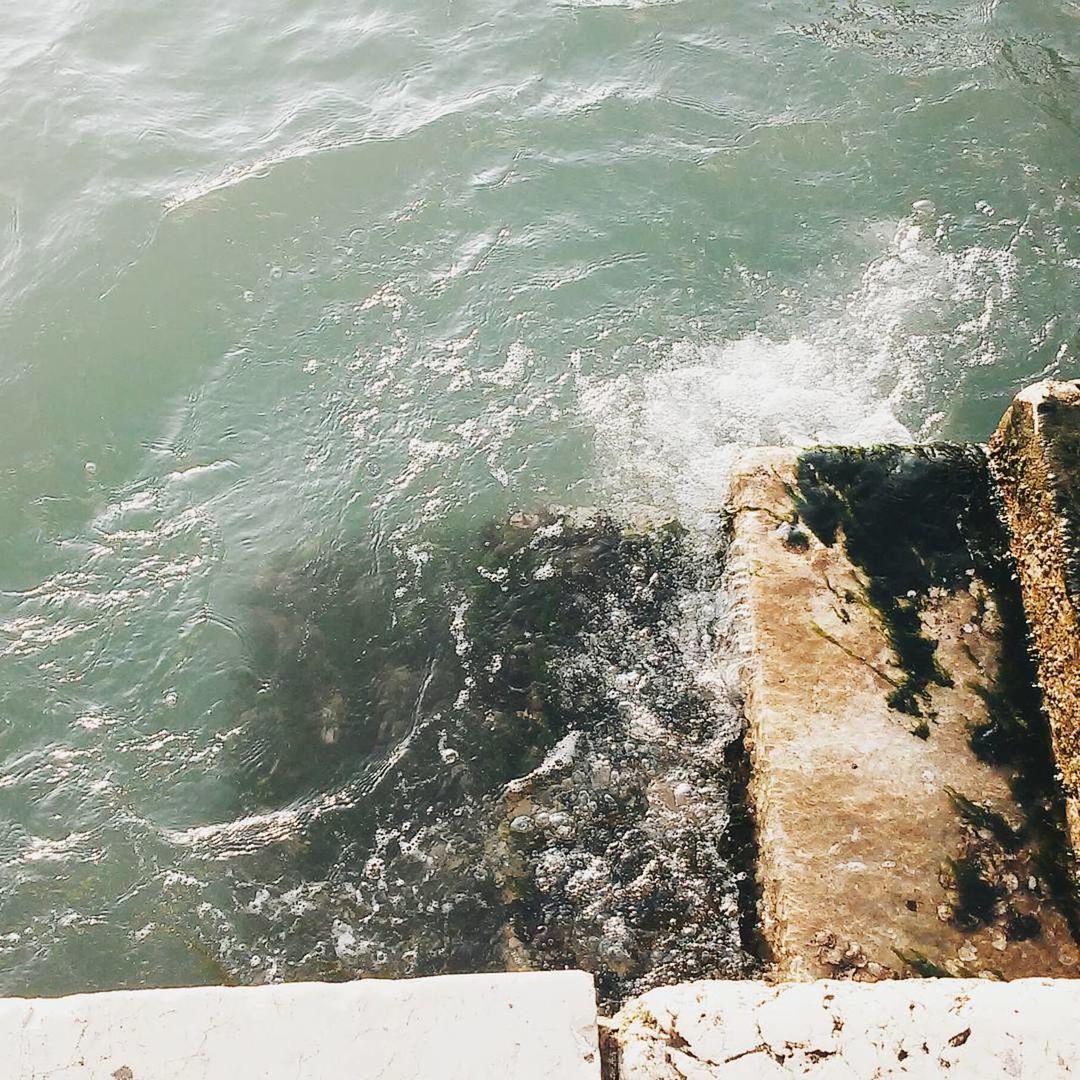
column 525, row 1026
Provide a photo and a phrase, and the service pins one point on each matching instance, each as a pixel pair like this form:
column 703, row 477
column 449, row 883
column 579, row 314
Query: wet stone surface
column 912, row 519
column 514, row 755
column 910, row 818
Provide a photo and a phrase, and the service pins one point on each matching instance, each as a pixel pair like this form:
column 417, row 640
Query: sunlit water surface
column 297, row 293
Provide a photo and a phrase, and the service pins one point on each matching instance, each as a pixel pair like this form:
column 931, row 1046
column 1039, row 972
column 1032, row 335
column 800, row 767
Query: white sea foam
column 872, row 369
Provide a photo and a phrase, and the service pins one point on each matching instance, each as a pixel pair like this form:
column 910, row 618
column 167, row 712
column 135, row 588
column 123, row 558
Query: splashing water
column 899, row 342
column 296, row 306
column 520, row 763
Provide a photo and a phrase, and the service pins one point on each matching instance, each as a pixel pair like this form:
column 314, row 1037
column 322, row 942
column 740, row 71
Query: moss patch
column 981, row 818
column 922, row 965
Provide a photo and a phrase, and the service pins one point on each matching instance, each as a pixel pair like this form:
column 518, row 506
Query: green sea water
column 293, row 277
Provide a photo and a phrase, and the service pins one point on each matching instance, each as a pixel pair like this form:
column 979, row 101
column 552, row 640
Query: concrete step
column 1035, row 455
column 463, row 1027
column 902, row 777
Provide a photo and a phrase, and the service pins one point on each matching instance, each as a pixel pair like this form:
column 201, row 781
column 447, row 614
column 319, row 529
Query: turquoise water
column 284, row 278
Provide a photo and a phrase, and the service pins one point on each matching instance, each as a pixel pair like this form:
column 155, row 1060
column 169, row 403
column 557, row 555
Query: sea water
column 300, row 300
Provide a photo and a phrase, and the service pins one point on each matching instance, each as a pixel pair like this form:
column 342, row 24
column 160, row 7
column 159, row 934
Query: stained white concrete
column 965, row 1029
column 466, row 1027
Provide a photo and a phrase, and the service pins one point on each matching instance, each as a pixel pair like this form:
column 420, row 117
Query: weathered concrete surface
column 966, row 1029
column 864, row 853
column 1035, row 456
column 461, row 1027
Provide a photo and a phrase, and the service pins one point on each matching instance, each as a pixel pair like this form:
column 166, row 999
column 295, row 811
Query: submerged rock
column 503, row 756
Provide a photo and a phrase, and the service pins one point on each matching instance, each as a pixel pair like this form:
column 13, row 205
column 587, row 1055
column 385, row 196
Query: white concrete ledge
column 965, row 1029
column 463, row 1027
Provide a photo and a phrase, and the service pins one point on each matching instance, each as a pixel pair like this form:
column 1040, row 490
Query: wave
column 873, row 368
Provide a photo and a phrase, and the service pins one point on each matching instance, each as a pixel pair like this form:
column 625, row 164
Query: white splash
column 871, row 370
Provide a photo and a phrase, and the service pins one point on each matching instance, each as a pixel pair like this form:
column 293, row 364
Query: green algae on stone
column 979, row 817
column 922, row 965
column 911, row 518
